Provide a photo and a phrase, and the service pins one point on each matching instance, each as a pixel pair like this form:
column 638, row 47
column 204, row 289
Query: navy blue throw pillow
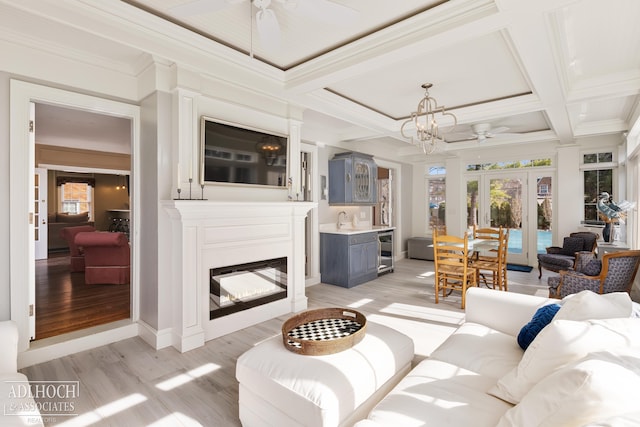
column 542, row 318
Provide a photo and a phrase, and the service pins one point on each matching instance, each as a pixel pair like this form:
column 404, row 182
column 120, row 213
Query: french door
column 40, row 213
column 500, row 199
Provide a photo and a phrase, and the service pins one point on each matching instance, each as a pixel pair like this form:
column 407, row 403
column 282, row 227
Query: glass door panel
column 500, row 201
column 507, row 208
column 544, row 201
column 473, row 202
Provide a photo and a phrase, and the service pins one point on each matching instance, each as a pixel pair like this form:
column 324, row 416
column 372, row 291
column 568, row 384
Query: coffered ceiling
column 544, row 70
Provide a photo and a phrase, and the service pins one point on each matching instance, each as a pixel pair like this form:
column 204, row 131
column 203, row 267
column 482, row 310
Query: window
column 75, row 197
column 509, row 165
column 595, row 182
column 598, row 158
column 436, row 196
column 597, row 177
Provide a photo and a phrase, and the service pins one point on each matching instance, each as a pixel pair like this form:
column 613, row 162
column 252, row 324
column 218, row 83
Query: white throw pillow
column 592, row 390
column 628, row 419
column 562, row 342
column 588, row 305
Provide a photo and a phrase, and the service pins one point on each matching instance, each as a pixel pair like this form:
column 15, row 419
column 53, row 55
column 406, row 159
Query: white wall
column 5, row 201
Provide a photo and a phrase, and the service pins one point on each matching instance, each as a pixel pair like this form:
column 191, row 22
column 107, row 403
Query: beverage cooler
column 385, row 251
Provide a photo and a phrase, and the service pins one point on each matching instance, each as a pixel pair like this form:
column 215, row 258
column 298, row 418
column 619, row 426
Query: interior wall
column 406, row 203
column 417, row 221
column 5, row 270
column 153, row 111
column 105, row 195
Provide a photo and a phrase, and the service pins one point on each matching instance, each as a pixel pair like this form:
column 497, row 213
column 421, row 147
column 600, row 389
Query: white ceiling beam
column 531, row 38
column 432, row 30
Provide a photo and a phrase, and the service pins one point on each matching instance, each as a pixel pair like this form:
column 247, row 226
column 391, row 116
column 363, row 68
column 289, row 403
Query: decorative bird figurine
column 611, row 212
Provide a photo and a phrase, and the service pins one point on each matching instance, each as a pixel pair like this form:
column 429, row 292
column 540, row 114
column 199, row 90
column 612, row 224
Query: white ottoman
column 281, row 388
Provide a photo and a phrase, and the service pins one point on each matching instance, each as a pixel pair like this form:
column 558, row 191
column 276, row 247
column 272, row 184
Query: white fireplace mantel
column 209, row 234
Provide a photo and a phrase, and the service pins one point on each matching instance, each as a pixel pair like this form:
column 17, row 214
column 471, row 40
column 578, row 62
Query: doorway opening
column 81, row 183
column 383, row 212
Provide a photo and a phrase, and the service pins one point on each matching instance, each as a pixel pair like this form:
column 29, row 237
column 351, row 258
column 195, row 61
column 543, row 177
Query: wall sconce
column 270, row 149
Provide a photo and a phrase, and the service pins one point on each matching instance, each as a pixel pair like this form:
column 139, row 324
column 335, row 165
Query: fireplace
column 244, row 286
column 266, row 239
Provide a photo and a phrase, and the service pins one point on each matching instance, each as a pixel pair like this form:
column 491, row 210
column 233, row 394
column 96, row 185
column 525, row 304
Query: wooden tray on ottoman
column 323, row 331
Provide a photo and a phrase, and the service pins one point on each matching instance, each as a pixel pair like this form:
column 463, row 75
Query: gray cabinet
column 348, row 260
column 352, row 179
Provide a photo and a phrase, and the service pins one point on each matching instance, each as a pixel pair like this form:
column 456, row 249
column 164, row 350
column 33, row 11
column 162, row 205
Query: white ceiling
column 56, row 125
column 548, row 70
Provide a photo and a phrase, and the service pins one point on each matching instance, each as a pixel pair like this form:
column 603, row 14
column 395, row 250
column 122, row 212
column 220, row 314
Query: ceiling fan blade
column 327, row 11
column 198, row 7
column 458, row 137
column 499, row 129
column 268, row 29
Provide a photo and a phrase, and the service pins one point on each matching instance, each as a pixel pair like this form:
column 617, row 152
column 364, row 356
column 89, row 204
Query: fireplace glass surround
column 244, row 286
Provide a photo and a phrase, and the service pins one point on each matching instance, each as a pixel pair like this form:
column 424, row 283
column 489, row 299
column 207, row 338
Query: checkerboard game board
column 323, row 330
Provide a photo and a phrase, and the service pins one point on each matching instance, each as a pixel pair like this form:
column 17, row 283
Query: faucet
column 340, row 215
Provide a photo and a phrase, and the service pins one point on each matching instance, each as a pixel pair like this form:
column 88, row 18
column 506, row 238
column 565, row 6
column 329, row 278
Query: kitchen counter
column 349, row 229
column 351, row 255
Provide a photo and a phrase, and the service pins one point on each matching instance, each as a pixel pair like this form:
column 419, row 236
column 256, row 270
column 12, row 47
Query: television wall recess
column 237, row 155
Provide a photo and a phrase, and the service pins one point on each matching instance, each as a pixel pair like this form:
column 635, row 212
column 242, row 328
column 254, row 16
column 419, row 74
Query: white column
column 298, row 299
column 294, row 158
column 188, row 332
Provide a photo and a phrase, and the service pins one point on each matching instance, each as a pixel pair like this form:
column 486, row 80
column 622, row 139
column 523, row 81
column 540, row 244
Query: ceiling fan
column 481, row 132
column 266, row 21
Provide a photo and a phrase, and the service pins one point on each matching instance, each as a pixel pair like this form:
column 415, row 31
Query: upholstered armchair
column 75, row 252
column 107, row 257
column 614, row 273
column 563, row 258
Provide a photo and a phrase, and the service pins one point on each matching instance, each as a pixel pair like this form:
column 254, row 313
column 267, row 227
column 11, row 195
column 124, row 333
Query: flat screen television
column 237, row 155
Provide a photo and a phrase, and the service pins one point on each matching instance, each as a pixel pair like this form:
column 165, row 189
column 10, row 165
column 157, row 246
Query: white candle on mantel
column 178, row 175
column 191, row 170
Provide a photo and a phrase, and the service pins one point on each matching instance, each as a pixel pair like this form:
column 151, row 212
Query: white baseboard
column 63, row 345
column 156, row 339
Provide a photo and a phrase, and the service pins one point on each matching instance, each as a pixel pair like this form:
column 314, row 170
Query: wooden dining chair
column 452, row 265
column 488, row 235
column 439, row 229
column 494, row 267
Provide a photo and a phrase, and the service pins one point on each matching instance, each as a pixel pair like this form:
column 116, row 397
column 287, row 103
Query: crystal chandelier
column 424, row 121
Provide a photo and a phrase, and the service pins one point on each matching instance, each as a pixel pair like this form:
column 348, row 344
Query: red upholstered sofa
column 69, row 235
column 57, row 221
column 106, row 257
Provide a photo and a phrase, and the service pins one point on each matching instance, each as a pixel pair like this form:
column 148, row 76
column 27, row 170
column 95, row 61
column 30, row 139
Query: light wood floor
column 130, row 384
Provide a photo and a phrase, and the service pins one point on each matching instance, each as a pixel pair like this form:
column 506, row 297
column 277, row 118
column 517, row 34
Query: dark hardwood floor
column 65, row 303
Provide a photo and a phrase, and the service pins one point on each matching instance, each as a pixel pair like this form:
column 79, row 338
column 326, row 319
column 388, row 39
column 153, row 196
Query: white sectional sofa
column 577, row 371
column 18, row 408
